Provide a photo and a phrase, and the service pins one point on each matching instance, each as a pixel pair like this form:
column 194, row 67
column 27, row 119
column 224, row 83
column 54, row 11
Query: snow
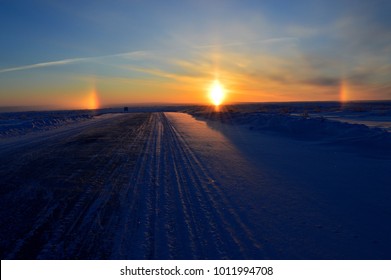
column 14, row 124
column 242, row 183
column 309, row 200
column 368, row 129
column 21, row 123
column 370, row 120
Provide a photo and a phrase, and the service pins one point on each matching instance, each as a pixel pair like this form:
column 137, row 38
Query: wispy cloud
column 218, row 45
column 278, row 40
column 42, row 64
column 275, row 40
column 71, row 60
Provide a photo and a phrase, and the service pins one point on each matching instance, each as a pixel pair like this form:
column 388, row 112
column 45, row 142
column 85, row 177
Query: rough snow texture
column 350, row 126
column 168, row 186
column 130, row 187
column 14, row 124
column 21, row 123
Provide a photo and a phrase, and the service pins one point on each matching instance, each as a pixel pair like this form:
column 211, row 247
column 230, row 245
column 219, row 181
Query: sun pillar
column 92, row 101
column 343, row 91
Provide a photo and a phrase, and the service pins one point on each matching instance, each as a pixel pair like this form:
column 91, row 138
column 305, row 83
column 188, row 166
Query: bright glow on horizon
column 246, row 46
column 343, row 91
column 92, row 101
column 216, row 93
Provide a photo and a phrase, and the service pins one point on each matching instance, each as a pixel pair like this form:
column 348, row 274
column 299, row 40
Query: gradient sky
column 83, row 54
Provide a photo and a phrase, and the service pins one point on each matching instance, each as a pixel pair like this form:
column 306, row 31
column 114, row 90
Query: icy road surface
column 166, row 186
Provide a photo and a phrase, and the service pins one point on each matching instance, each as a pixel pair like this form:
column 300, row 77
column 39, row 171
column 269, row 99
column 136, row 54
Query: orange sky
column 72, row 56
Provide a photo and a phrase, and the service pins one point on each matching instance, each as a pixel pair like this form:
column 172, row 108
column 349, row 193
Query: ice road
column 168, row 186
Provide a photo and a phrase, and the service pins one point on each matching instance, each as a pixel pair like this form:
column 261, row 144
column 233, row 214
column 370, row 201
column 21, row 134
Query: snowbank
column 21, row 123
column 305, row 127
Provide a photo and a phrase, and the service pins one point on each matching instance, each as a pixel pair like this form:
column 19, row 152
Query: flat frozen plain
column 169, row 186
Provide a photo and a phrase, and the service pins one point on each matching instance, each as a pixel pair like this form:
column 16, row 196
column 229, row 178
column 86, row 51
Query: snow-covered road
column 167, row 186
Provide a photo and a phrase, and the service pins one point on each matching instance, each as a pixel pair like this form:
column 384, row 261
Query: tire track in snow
column 141, row 192
column 177, row 209
column 231, row 229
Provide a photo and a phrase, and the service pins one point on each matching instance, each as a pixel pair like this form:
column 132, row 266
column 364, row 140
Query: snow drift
column 305, row 127
column 21, row 123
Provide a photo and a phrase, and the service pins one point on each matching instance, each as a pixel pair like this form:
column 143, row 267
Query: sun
column 216, row 93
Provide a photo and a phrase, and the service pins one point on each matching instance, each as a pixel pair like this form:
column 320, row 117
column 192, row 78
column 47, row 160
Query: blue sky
column 58, row 52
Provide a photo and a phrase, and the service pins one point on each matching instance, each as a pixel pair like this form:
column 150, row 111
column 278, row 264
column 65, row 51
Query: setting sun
column 216, row 93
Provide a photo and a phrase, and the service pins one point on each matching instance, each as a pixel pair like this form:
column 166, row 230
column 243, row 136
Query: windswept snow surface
column 15, row 124
column 168, row 186
column 22, row 123
column 315, row 127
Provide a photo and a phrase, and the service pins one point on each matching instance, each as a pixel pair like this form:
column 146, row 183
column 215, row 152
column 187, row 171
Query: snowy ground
column 231, row 185
column 18, row 123
column 21, row 123
column 305, row 198
column 357, row 124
